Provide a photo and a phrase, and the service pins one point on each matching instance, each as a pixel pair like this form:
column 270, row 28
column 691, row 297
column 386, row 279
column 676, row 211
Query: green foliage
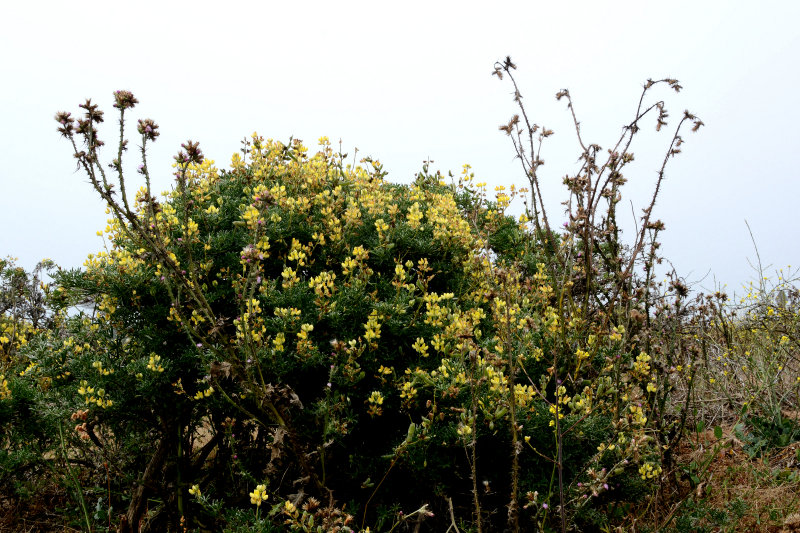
column 700, row 515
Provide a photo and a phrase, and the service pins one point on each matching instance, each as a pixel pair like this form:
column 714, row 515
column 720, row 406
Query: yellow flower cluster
column 420, row 347
column 5, row 392
column 289, row 508
column 98, row 365
column 13, row 335
column 464, row 430
column 373, row 327
column 435, row 314
column 278, row 342
column 251, row 217
column 95, row 396
column 375, row 402
column 637, row 415
column 290, row 278
column 408, row 392
column 305, row 329
column 29, row 369
column 381, row 227
column 524, row 394
column 259, row 495
column 323, row 284
column 287, row 313
column 649, row 471
column 250, row 328
column 439, row 343
column 641, row 366
column 414, row 216
column 154, row 364
column 299, row 253
column 203, row 393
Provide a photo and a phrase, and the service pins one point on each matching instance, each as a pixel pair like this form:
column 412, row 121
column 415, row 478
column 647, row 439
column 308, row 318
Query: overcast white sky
column 404, row 81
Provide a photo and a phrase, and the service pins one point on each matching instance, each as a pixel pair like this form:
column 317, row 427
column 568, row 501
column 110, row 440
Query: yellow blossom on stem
column 259, row 495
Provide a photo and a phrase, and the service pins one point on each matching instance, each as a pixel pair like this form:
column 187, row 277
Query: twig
column 452, row 517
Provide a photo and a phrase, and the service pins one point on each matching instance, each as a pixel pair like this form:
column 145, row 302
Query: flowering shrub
column 299, row 341
column 23, row 309
column 23, row 317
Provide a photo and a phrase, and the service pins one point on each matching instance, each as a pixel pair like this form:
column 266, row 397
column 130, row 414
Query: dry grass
column 757, row 494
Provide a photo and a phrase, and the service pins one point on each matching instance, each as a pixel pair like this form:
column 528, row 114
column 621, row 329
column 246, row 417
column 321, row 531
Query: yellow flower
column 195, row 491
column 648, row 471
column 408, row 391
column 376, row 398
column 259, row 495
column 5, row 392
column 154, row 364
column 381, row 226
column 414, row 216
column 289, row 276
column 420, row 347
column 373, row 327
column 305, row 329
column 277, row 342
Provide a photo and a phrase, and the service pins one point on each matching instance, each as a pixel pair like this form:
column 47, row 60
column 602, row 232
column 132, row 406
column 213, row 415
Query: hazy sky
column 404, row 81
